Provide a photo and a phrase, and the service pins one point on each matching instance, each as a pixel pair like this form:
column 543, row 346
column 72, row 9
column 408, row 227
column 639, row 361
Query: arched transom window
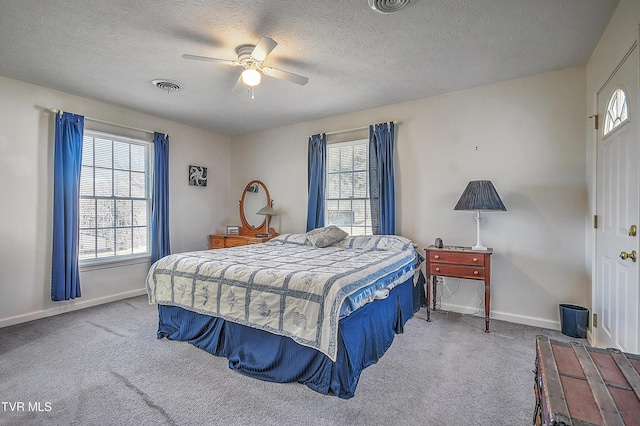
column 617, row 112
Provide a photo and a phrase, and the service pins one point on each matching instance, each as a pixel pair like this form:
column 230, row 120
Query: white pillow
column 376, row 242
column 324, row 237
column 291, row 239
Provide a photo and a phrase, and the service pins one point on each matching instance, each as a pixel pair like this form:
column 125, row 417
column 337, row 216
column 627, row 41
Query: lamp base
column 479, row 245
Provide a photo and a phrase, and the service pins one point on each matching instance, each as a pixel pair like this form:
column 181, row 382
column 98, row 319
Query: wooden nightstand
column 217, row 241
column 458, row 262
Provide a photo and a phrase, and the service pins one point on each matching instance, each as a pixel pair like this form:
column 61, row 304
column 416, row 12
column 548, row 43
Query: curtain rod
column 351, row 130
column 355, row 129
column 55, row 111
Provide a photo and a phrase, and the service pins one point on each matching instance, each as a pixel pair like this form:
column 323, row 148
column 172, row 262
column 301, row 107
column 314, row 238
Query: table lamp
column 268, row 212
column 480, row 195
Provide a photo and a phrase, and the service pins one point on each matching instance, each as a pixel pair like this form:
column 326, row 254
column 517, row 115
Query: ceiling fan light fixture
column 389, row 6
column 251, row 77
column 251, row 57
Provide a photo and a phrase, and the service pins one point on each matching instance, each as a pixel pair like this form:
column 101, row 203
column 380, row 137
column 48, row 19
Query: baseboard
column 65, row 307
column 590, row 337
column 518, row 319
column 504, row 316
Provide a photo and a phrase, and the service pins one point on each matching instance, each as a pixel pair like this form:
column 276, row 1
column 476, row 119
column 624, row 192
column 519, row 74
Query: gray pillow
column 324, row 237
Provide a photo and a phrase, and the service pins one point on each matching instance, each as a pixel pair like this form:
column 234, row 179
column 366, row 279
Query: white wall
column 525, row 135
column 26, row 159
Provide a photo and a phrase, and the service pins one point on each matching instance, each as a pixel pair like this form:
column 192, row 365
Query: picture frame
column 232, row 229
column 197, row 176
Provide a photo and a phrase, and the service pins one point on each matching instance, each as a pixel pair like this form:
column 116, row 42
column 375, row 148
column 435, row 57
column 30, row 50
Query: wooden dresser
column 248, row 233
column 217, row 241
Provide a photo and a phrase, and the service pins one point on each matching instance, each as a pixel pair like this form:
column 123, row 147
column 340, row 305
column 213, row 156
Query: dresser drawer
column 216, row 242
column 446, row 270
column 235, row 241
column 459, row 258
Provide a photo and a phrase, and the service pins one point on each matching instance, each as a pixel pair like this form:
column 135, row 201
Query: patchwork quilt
column 286, row 286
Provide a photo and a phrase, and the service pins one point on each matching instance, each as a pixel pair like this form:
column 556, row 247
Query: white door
column 618, row 177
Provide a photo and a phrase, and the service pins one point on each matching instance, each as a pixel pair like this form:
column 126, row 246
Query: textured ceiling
column 355, row 58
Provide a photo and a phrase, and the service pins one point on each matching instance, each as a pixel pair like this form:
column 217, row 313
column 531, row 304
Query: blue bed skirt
column 363, row 337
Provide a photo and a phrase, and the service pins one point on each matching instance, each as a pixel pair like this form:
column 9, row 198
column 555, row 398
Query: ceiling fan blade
column 263, row 48
column 239, row 85
column 208, row 59
column 285, row 75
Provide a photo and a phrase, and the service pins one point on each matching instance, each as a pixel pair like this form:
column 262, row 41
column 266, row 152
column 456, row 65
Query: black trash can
column 574, row 320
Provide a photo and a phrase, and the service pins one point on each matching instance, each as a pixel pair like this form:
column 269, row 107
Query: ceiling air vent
column 389, row 6
column 168, row 85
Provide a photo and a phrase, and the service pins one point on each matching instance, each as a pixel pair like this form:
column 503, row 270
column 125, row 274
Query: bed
column 291, row 309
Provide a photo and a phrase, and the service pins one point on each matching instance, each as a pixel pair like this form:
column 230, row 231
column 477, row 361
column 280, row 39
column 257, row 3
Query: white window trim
column 114, row 262
column 134, row 258
column 347, row 143
column 622, row 123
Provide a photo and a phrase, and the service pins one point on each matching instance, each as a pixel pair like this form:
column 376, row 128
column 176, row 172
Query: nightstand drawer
column 456, row 257
column 446, row 270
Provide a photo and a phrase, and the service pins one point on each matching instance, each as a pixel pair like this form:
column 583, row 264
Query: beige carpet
column 104, row 366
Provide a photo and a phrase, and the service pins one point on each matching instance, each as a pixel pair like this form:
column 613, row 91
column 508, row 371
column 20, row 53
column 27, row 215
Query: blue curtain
column 381, row 182
column 317, row 160
column 160, row 198
column 67, row 164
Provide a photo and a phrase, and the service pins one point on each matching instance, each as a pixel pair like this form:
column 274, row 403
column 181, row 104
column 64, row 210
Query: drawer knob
column 437, row 269
column 475, row 259
column 476, row 273
column 437, row 256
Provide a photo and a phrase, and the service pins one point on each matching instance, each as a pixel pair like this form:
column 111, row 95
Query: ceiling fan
column 251, row 58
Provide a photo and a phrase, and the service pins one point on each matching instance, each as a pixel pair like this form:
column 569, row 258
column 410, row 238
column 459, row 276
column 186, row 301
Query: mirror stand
column 255, row 198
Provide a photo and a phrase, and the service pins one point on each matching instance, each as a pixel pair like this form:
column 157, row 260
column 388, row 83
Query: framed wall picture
column 197, row 176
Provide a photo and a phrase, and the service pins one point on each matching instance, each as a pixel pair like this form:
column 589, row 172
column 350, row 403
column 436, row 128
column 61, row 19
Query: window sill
column 96, row 264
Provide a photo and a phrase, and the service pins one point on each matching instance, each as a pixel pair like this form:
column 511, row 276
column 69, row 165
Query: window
column 115, row 200
column 347, row 203
column 617, row 111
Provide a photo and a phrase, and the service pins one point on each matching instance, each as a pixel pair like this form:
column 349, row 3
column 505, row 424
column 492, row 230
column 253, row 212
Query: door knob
column 624, row 255
column 633, row 231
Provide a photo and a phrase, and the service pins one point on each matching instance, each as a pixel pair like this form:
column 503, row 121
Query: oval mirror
column 254, row 197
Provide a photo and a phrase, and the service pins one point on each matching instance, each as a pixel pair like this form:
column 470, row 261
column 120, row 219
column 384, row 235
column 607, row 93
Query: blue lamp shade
column 480, row 195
